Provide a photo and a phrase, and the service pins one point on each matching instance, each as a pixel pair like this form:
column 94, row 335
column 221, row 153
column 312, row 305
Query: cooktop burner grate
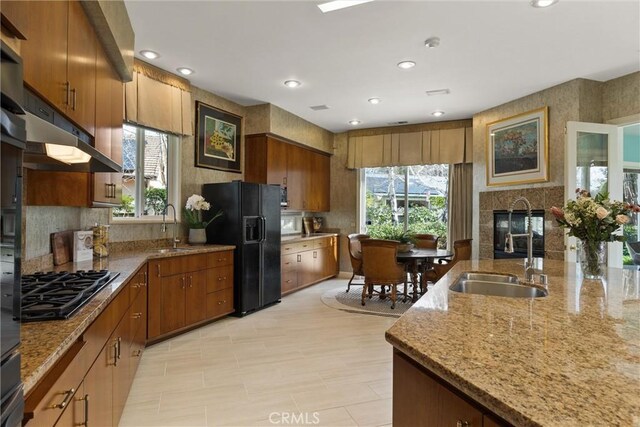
column 58, row 295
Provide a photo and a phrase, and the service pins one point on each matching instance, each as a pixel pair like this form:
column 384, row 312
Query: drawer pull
column 288, row 281
column 221, row 259
column 221, row 278
column 86, row 410
column 137, row 315
column 68, row 394
column 461, row 423
column 222, row 302
column 137, row 353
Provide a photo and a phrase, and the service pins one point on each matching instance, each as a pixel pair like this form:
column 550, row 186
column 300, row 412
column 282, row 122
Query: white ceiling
column 491, row 52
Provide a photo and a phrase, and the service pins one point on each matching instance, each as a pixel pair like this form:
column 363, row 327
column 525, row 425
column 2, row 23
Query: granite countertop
column 571, row 358
column 43, row 343
column 301, row 237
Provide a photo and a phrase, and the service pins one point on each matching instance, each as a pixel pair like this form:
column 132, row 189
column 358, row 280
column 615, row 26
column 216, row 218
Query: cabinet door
column 44, row 53
column 296, row 169
column 324, row 183
column 196, row 296
column 81, row 68
column 277, row 162
column 98, row 387
column 117, row 118
column 102, row 181
column 425, row 401
column 121, row 378
column 172, row 304
column 306, row 268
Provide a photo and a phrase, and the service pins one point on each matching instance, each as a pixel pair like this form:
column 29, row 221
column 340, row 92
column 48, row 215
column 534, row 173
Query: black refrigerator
column 251, row 222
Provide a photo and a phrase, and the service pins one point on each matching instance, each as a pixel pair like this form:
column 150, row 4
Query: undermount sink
column 499, row 285
column 170, row 250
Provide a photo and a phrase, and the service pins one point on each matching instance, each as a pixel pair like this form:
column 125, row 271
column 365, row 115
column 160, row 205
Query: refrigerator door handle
column 264, row 228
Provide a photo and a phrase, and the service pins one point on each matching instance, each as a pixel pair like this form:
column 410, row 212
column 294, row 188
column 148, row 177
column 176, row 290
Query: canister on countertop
column 101, row 241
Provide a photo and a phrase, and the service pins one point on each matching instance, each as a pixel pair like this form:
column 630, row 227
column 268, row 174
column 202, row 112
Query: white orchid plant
column 594, row 219
column 196, row 204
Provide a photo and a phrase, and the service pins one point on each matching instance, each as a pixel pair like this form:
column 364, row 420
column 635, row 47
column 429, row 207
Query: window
column 149, row 173
column 412, row 197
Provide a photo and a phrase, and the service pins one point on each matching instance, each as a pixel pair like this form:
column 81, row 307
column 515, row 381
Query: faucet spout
column 175, row 241
column 529, row 271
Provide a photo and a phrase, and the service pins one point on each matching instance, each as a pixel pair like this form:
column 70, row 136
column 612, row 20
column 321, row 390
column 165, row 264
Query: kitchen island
column 570, row 358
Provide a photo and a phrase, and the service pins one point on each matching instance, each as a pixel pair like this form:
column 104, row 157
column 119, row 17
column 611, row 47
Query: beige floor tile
column 297, row 357
column 374, row 413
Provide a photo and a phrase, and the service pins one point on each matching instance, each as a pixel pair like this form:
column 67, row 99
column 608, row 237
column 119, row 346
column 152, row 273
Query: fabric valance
column 450, row 146
column 159, row 100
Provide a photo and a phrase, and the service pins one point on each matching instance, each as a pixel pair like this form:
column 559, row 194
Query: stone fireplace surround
column 540, row 198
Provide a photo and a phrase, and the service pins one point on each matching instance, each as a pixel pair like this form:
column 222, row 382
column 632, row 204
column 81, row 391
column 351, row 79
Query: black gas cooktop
column 58, row 295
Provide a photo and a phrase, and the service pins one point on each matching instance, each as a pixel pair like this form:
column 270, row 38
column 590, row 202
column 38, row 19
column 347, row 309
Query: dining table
column 412, row 260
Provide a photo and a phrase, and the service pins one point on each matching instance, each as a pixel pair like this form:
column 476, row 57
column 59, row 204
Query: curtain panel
column 445, row 146
column 159, row 100
column 460, row 202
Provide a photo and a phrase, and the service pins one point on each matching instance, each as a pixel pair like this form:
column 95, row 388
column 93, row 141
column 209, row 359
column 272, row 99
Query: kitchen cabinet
column 421, row 400
column 303, row 171
column 185, row 291
column 59, row 58
column 109, row 107
column 307, row 262
column 14, row 18
column 94, row 377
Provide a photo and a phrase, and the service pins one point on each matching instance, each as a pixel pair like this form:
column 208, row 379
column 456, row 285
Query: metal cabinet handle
column 73, row 99
column 119, row 346
column 67, row 397
column 86, row 410
column 115, row 353
column 137, row 315
column 144, row 274
column 137, row 353
column 183, row 279
column 67, row 88
column 222, row 302
column 190, row 281
column 221, row 278
column 158, row 265
column 221, row 259
column 315, row 254
column 461, row 423
column 299, row 258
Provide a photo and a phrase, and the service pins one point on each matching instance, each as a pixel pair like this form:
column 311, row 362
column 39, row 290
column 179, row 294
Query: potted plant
column 193, row 215
column 398, row 233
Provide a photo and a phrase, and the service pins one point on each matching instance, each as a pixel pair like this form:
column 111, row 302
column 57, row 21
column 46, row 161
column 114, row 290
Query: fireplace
column 518, row 226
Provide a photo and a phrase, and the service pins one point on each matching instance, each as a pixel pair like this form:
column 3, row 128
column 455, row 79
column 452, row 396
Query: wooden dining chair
column 461, row 252
column 426, row 241
column 355, row 255
column 380, row 267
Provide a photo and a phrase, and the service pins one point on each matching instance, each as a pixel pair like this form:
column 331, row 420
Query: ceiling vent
column 401, row 122
column 438, row 92
column 319, row 107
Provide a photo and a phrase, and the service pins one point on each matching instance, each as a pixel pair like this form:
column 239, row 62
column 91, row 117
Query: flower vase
column 593, row 258
column 197, row 236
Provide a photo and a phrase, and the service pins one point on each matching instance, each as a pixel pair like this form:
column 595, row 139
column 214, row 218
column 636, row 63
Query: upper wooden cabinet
column 304, row 172
column 59, row 58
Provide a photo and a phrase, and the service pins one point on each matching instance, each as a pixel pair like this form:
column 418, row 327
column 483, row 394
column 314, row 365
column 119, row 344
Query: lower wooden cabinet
column 308, row 262
column 182, row 291
column 421, row 400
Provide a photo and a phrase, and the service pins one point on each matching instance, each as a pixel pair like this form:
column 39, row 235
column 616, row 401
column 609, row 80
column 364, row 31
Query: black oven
column 13, row 138
column 518, row 226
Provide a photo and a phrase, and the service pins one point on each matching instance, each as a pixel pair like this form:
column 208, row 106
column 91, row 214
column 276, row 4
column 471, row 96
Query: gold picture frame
column 518, row 149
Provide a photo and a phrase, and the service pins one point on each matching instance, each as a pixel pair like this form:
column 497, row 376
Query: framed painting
column 218, row 136
column 518, row 149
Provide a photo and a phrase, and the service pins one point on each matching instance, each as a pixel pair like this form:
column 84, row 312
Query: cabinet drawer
column 218, row 259
column 139, row 314
column 47, row 402
column 137, row 284
column 289, row 262
column 291, row 248
column 325, row 242
column 219, row 278
column 220, row 303
column 289, row 280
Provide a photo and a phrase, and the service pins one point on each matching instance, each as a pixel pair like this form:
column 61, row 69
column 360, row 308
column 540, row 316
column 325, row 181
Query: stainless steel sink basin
column 499, row 285
column 170, row 250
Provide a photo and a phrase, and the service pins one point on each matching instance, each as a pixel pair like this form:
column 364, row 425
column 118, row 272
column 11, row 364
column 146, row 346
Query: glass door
column 593, row 162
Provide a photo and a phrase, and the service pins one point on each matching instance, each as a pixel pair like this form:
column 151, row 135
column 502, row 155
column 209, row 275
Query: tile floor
column 297, row 363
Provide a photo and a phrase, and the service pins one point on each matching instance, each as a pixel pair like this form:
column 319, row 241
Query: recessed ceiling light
column 185, row 71
column 438, row 92
column 354, row 122
column 374, row 101
column 330, row 6
column 543, row 3
column 432, row 42
column 406, row 64
column 149, row 54
column 438, row 113
column 292, row 83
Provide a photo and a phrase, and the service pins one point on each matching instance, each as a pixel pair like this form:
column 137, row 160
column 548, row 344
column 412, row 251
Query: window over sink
column 150, row 175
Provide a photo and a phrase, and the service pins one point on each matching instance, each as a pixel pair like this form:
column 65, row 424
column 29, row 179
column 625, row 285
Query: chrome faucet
column 175, row 224
column 508, row 244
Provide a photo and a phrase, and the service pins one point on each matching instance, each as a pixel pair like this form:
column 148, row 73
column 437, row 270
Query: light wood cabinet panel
column 296, row 182
column 420, row 400
column 219, row 278
column 121, row 379
column 196, row 297
column 98, row 387
column 172, row 303
column 277, row 154
column 220, row 303
column 307, row 262
column 44, row 53
column 15, row 18
column 81, row 68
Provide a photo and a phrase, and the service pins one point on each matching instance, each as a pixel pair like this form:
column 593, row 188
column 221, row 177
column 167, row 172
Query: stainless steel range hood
column 47, row 138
